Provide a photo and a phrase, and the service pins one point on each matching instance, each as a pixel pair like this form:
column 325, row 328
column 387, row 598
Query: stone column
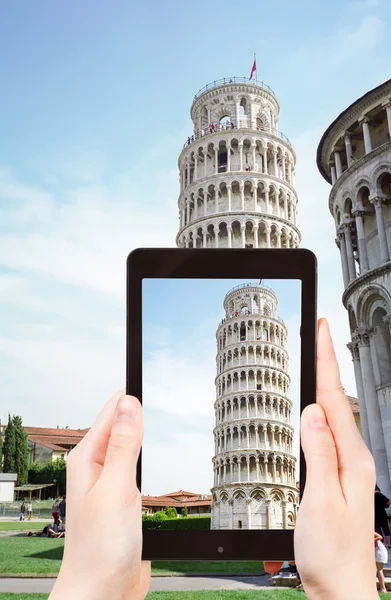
column 362, row 338
column 243, row 231
column 338, row 163
column 384, row 251
column 256, row 236
column 349, row 151
column 354, row 349
column 387, row 107
column 257, row 466
column 229, row 192
column 249, row 513
column 231, row 514
column 340, row 241
column 203, row 238
column 275, row 165
column 284, row 515
column 349, row 251
column 188, row 173
column 362, row 244
column 268, row 519
column 285, row 207
column 253, row 146
column 367, row 134
column 267, row 199
column 248, row 467
column 225, row 472
column 228, row 157
column 205, row 165
column 283, row 168
column 280, row 439
column 265, row 161
column 216, row 232
column 196, row 168
column 289, row 172
column 333, row 174
column 216, row 161
column 278, row 239
column 240, row 156
column 242, row 193
column 239, row 470
column 229, row 229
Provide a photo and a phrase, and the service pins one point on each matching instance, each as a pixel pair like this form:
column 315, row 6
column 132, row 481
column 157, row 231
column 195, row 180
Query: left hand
column 102, row 556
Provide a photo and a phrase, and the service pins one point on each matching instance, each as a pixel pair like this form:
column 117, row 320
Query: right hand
column 334, row 547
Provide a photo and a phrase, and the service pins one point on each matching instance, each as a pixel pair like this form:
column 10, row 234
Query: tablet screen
column 221, row 403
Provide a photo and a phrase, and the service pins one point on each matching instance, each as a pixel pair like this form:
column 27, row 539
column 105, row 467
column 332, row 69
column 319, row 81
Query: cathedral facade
column 354, row 156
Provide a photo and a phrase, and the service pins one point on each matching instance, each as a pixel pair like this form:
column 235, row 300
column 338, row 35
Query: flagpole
column 256, row 70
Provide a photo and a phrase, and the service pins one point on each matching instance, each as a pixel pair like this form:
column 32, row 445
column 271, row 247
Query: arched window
column 243, row 107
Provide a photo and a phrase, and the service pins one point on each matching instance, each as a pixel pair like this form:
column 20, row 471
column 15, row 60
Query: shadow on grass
column 52, row 554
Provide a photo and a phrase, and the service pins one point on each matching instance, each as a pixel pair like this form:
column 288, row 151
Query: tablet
column 221, row 347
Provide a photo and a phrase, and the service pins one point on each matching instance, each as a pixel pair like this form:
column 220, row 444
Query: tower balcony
column 229, row 126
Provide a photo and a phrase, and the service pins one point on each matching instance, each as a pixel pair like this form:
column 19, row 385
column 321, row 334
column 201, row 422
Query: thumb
column 320, row 455
column 124, row 444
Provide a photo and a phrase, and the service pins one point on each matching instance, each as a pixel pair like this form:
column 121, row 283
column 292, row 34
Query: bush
column 171, row 512
column 184, row 512
column 189, row 524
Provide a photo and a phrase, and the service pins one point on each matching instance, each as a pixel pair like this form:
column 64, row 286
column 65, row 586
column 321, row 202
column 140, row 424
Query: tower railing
column 245, row 285
column 216, row 128
column 228, row 80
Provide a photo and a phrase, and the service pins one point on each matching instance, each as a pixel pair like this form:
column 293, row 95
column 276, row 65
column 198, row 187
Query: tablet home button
column 220, row 549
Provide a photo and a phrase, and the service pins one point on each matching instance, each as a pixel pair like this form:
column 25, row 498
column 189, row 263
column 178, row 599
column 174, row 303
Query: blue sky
column 180, row 319
column 95, row 108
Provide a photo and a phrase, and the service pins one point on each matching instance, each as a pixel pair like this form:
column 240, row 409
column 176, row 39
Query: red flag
column 254, row 68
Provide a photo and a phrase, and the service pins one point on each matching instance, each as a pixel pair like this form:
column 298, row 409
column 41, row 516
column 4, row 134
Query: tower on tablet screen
column 237, row 174
column 254, row 466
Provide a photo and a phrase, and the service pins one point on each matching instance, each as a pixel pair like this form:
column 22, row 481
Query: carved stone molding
column 353, row 347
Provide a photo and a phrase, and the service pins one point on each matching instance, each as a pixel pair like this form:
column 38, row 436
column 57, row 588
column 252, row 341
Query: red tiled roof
column 166, row 500
column 56, row 432
column 181, row 493
column 55, row 440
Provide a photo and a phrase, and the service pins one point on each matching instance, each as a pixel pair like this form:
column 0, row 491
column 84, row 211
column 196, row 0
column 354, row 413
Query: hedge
column 196, row 523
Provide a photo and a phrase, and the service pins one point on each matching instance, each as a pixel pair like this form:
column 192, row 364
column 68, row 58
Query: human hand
column 102, row 556
column 334, row 530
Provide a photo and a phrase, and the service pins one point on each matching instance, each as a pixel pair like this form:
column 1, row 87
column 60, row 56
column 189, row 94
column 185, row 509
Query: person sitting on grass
column 49, row 531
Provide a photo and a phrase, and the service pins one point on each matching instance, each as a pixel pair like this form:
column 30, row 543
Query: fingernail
column 316, row 416
column 127, row 408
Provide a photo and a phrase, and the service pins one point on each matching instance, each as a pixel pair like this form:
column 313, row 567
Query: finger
column 272, row 567
column 318, row 445
column 352, row 453
column 119, row 470
column 89, row 455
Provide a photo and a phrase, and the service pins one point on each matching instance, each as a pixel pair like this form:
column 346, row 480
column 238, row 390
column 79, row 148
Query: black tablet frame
column 222, row 263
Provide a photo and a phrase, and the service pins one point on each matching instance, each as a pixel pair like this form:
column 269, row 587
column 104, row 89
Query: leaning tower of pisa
column 237, row 190
column 237, row 171
column 254, row 466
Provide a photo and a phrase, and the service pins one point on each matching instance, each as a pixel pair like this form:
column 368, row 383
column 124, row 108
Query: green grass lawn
column 20, row 525
column 30, row 555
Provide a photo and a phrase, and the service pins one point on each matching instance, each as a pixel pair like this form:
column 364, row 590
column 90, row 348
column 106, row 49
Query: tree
column 52, row 472
column 184, row 512
column 171, row 512
column 21, row 451
column 159, row 516
column 9, row 447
